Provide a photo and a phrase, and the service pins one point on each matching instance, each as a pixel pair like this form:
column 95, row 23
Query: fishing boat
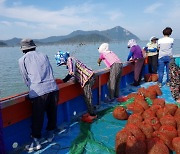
column 73, row 135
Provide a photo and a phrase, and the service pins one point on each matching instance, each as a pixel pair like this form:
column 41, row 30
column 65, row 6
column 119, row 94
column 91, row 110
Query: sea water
column 11, row 82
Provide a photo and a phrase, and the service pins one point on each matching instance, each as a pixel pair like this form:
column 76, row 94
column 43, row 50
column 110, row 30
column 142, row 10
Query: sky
column 43, row 18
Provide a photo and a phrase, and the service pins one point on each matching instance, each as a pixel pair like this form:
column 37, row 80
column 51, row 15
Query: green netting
column 99, row 137
column 149, row 101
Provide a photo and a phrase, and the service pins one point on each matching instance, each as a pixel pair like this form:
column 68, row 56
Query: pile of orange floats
column 152, row 129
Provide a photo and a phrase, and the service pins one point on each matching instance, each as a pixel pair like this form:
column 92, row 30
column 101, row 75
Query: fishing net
column 147, row 129
column 135, row 146
column 109, row 135
column 159, row 101
column 154, row 122
column 121, row 139
column 170, row 131
column 155, row 108
column 177, row 118
column 99, row 137
column 177, row 113
column 168, row 120
column 161, row 112
column 154, row 77
column 135, row 119
column 176, row 144
column 148, row 78
column 148, row 114
column 136, row 108
column 155, row 145
column 171, row 108
column 120, row 113
column 166, row 139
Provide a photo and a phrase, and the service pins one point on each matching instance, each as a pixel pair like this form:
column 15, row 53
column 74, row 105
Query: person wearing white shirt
column 165, row 46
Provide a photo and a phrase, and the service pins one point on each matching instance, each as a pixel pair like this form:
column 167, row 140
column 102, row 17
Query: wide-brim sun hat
column 27, row 44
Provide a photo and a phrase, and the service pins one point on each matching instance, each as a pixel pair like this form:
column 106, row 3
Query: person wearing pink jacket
column 112, row 61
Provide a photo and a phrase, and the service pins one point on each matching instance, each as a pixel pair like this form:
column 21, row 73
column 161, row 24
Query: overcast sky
column 44, row 18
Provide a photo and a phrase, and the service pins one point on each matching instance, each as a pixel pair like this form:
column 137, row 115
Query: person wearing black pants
column 152, row 54
column 37, row 74
column 45, row 103
column 153, row 64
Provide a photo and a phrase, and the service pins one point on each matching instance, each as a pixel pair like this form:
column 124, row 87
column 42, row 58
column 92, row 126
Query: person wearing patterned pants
column 174, row 76
column 88, row 95
column 114, row 80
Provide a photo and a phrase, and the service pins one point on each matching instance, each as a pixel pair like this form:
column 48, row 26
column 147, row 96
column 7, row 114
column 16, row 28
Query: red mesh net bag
column 154, row 122
column 171, row 108
column 135, row 131
column 148, row 78
column 177, row 113
column 156, row 88
column 170, row 131
column 148, row 114
column 162, row 112
column 168, row 120
column 120, row 113
column 130, row 106
column 141, row 91
column 136, row 108
column 177, row 118
column 178, row 131
column 154, row 77
column 135, row 146
column 135, row 119
column 166, row 139
column 176, row 144
column 139, row 97
column 156, row 146
column 155, row 108
column 141, row 102
column 159, row 101
column 131, row 95
column 121, row 138
column 151, row 93
column 146, row 128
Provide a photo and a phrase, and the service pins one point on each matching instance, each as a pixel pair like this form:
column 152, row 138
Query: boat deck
column 98, row 137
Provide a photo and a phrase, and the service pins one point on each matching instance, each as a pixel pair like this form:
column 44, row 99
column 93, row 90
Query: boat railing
column 16, row 110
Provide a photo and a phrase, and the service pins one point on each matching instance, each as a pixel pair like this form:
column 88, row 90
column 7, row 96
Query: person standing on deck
column 165, row 45
column 152, row 54
column 37, row 74
column 112, row 61
column 136, row 56
column 83, row 74
column 174, row 77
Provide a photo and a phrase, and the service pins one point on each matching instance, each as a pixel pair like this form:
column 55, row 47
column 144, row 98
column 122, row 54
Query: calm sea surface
column 11, row 82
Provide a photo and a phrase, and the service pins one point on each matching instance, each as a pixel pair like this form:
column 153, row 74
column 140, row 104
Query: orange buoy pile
column 151, row 129
column 151, row 77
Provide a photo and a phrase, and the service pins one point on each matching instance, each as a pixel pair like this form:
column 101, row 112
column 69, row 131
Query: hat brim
column 154, row 39
column 27, row 48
